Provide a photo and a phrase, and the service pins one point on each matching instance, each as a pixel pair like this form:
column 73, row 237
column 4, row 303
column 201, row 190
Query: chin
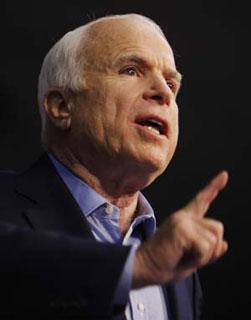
column 157, row 157
column 154, row 166
column 158, row 160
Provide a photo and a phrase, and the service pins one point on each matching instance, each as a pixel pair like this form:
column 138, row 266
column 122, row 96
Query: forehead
column 109, row 40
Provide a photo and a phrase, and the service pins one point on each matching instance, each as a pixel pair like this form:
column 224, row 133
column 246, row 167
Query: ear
column 58, row 109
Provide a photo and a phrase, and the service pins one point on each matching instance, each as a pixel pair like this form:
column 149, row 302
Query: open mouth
column 154, row 125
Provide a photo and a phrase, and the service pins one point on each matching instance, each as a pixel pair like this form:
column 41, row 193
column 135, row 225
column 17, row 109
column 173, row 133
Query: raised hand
column 186, row 241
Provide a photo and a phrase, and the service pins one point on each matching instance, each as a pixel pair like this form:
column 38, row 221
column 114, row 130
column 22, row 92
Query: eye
column 171, row 85
column 130, row 71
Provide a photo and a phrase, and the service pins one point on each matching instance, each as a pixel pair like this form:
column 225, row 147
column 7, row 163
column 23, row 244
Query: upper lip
column 164, row 123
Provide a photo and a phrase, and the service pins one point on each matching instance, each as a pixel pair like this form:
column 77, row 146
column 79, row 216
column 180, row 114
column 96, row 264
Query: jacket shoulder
column 7, row 176
column 7, row 182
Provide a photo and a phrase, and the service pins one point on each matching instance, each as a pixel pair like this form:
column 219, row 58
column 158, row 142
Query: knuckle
column 219, row 228
column 202, row 247
column 206, row 247
column 216, row 227
column 177, row 220
column 213, row 240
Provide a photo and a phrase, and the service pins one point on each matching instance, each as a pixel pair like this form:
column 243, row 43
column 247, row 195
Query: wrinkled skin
column 130, row 75
column 118, row 90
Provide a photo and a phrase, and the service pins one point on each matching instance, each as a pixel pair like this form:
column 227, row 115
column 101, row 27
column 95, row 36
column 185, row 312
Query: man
column 78, row 237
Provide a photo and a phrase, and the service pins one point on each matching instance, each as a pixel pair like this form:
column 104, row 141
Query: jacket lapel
column 49, row 204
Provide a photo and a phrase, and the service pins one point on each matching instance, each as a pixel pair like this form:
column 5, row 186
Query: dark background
column 210, row 40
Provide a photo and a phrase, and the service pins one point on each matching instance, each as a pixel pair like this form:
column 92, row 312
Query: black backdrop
column 210, row 40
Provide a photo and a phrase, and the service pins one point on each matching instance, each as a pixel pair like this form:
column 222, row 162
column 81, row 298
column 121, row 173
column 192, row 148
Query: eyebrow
column 173, row 74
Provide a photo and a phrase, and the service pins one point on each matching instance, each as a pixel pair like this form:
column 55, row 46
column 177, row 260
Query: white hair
column 63, row 66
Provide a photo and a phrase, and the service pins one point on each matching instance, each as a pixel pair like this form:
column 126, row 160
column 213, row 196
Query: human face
column 127, row 112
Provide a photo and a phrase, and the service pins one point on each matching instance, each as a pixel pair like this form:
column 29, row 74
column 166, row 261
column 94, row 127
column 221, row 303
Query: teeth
column 153, row 129
column 156, row 122
column 153, row 125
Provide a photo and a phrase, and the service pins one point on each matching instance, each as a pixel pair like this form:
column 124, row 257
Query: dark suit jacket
column 50, row 263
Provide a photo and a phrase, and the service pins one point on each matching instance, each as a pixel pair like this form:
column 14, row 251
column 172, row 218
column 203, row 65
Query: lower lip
column 148, row 133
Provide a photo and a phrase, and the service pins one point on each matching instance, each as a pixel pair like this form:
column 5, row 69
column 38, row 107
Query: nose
column 158, row 91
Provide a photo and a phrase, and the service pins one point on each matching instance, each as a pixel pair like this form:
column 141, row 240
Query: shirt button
column 109, row 208
column 141, row 307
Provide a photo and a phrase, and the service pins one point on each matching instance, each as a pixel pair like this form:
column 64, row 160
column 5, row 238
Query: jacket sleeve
column 47, row 273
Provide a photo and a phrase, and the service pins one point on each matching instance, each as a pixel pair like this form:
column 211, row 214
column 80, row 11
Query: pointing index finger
column 201, row 202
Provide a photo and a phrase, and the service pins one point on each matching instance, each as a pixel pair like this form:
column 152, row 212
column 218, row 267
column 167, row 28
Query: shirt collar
column 89, row 200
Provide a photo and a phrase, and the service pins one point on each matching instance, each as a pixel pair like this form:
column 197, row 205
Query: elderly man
column 78, row 237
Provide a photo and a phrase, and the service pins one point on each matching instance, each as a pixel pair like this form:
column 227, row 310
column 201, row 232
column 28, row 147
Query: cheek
column 87, row 117
column 174, row 132
column 121, row 107
column 175, row 121
column 108, row 111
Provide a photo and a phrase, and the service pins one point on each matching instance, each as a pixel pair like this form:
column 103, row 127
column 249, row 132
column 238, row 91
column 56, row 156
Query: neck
column 115, row 187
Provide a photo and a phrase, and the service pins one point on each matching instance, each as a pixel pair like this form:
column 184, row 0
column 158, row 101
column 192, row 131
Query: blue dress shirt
column 143, row 304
